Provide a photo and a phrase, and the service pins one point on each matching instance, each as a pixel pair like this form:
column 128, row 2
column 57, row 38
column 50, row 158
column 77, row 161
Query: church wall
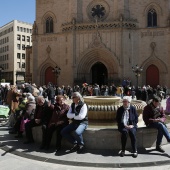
column 127, row 46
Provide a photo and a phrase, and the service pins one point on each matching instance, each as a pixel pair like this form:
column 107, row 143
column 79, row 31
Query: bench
column 107, row 138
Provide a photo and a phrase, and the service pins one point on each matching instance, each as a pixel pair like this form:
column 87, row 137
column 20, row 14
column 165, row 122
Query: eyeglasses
column 74, row 97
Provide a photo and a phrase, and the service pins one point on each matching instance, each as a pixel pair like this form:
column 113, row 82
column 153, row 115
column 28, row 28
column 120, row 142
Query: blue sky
column 22, row 10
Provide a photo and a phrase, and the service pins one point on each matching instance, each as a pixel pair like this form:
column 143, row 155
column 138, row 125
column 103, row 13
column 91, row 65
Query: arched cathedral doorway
column 49, row 76
column 99, row 74
column 152, row 76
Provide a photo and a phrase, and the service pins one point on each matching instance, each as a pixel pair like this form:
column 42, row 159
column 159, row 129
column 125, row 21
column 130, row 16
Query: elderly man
column 127, row 119
column 78, row 114
column 41, row 118
column 154, row 117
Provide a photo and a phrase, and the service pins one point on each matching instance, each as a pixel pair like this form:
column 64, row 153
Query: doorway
column 49, row 76
column 152, row 76
column 99, row 74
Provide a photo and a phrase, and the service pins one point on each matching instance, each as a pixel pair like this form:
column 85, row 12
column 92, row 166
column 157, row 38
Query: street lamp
column 137, row 70
column 57, row 71
column 1, row 70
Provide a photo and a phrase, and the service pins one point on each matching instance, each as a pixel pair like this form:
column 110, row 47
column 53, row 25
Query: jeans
column 77, row 129
column 162, row 130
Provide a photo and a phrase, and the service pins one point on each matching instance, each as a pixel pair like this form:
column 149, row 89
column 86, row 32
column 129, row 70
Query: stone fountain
column 104, row 108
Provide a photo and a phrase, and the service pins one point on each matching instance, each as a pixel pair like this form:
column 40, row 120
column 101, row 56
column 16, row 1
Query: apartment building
column 15, row 36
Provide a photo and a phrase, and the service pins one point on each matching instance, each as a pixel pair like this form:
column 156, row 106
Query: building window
column 23, row 47
column 18, row 46
column 28, row 39
column 18, row 55
column 18, row 65
column 23, row 65
column 23, row 38
column 152, row 18
column 17, row 28
column 23, row 56
column 18, row 37
column 49, row 25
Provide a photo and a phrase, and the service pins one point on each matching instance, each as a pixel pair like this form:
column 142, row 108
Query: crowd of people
column 45, row 106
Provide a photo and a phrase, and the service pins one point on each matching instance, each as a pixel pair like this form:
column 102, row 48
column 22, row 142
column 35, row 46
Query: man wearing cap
column 154, row 117
column 127, row 119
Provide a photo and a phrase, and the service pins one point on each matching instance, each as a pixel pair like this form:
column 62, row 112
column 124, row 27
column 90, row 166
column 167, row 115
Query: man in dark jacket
column 58, row 121
column 50, row 93
column 154, row 117
column 127, row 119
column 42, row 117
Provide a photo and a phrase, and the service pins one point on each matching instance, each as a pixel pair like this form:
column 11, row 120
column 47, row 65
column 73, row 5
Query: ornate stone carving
column 48, row 50
column 129, row 24
column 98, row 9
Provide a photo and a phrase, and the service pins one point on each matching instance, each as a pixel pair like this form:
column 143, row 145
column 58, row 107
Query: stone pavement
column 22, row 156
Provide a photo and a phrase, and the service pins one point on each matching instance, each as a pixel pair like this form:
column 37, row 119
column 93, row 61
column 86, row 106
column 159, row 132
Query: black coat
column 133, row 117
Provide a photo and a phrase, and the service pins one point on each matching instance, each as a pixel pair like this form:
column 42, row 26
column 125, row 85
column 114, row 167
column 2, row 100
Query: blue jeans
column 76, row 137
column 162, row 131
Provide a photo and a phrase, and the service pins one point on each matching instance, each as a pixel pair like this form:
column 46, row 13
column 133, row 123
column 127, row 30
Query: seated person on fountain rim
column 78, row 114
column 127, row 119
column 154, row 117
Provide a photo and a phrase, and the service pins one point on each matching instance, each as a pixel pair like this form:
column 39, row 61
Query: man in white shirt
column 78, row 114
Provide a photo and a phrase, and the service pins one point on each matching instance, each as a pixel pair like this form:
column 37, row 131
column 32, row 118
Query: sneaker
column 81, row 149
column 74, row 148
column 135, row 154
column 160, row 149
column 122, row 153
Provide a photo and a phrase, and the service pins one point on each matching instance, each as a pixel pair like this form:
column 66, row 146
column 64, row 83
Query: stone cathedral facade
column 99, row 41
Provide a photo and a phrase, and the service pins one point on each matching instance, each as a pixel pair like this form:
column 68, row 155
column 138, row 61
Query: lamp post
column 1, row 70
column 137, row 70
column 57, row 71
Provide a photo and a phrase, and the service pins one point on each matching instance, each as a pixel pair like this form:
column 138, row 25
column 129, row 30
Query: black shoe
column 81, row 149
column 135, row 154
column 122, row 153
column 29, row 141
column 160, row 149
column 58, row 148
column 74, row 148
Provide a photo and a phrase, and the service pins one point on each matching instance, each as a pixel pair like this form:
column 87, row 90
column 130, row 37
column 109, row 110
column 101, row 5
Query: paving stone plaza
column 21, row 156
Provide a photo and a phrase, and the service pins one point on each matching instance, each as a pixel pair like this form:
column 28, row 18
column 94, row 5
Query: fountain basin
column 105, row 107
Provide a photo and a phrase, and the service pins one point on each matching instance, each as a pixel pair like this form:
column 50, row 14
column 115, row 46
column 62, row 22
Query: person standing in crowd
column 41, row 118
column 168, row 105
column 50, row 93
column 58, row 121
column 78, row 114
column 154, row 117
column 18, row 116
column 69, row 91
column 127, row 119
column 96, row 90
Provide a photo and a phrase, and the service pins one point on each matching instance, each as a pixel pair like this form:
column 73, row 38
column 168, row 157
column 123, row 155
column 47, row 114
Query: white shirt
column 82, row 114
